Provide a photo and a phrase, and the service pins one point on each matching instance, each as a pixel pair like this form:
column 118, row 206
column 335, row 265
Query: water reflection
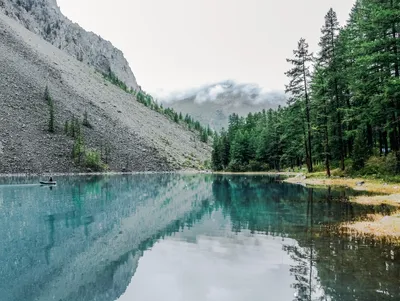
column 192, row 237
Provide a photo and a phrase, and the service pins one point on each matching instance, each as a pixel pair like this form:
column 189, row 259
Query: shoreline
column 250, row 173
column 111, row 173
column 378, row 226
column 184, row 171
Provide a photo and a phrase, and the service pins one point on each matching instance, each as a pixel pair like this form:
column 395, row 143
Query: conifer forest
column 343, row 107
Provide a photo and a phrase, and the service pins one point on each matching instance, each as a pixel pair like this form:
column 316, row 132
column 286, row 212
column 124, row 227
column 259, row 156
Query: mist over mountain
column 212, row 104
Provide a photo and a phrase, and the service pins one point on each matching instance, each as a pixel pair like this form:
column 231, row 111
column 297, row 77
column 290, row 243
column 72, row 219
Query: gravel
column 140, row 139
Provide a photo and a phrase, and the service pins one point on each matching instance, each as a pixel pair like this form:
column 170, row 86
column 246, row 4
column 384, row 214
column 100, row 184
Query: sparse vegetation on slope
column 127, row 135
column 147, row 100
column 50, row 103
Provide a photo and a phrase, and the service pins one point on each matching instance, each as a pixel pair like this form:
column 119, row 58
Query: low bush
column 93, row 161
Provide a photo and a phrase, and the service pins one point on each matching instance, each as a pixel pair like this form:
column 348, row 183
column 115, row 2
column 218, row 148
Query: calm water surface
column 186, row 237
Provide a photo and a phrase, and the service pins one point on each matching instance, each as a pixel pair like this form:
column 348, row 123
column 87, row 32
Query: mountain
column 212, row 104
column 134, row 137
column 44, row 18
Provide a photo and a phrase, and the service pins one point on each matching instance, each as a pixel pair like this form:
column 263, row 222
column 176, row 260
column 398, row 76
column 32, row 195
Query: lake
column 174, row 237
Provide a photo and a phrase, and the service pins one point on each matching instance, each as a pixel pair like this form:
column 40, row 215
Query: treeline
column 147, row 100
column 343, row 103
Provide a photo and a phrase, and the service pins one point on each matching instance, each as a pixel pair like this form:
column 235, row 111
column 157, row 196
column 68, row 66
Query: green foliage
column 66, row 127
column 110, row 76
column 86, row 120
column 72, row 128
column 379, row 166
column 344, row 116
column 50, row 103
column 85, row 158
column 93, row 161
column 204, row 135
column 298, row 89
column 78, row 149
column 148, row 101
column 176, row 117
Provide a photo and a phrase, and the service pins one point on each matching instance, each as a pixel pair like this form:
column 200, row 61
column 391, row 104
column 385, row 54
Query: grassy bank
column 377, row 225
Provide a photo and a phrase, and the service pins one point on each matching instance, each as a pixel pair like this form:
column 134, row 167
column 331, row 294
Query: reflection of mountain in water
column 91, row 237
column 83, row 239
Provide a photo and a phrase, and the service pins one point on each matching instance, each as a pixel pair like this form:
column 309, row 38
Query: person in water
column 51, row 179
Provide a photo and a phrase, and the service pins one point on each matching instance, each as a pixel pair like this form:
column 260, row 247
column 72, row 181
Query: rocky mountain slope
column 212, row 104
column 44, row 18
column 140, row 139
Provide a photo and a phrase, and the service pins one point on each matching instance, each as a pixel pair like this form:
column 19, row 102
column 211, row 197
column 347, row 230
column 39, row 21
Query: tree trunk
column 385, row 143
column 310, row 167
column 327, row 149
column 370, row 138
column 327, row 152
column 306, row 148
column 339, row 125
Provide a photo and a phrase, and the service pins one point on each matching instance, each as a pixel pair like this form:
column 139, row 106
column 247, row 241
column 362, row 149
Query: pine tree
column 350, row 108
column 216, row 154
column 298, row 88
column 321, row 106
column 86, row 120
column 50, row 103
column 328, row 60
column 66, row 128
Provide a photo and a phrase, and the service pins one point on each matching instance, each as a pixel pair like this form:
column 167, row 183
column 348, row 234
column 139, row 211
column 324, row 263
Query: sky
column 177, row 45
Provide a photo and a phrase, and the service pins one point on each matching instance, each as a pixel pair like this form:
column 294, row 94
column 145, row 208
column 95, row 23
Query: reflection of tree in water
column 344, row 268
column 62, row 235
column 329, row 266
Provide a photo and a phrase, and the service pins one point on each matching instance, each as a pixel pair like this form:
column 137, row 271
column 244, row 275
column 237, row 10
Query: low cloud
column 248, row 92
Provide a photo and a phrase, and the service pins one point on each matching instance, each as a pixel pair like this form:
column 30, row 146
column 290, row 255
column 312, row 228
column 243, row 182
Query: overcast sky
column 179, row 44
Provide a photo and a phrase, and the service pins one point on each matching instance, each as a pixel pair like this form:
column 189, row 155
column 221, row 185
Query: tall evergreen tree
column 298, row 88
column 349, row 110
column 321, row 105
column 328, row 59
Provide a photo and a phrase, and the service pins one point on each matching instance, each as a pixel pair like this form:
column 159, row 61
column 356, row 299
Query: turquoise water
column 186, row 237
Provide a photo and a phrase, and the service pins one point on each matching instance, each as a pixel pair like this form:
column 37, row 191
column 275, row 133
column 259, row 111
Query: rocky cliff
column 44, row 18
column 138, row 138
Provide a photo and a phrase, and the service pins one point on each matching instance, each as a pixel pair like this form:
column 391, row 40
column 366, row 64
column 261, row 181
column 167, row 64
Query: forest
column 343, row 108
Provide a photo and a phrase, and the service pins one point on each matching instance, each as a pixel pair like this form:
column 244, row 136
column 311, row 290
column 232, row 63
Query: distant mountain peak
column 213, row 103
column 218, row 92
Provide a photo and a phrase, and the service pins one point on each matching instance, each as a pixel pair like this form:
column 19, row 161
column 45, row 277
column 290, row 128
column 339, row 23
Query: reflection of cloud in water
column 229, row 266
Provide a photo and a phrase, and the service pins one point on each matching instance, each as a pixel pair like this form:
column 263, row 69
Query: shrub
column 338, row 173
column 254, row 166
column 374, row 166
column 319, row 168
column 66, row 128
column 93, row 161
column 78, row 149
column 390, row 163
column 86, row 120
column 235, row 166
column 50, row 103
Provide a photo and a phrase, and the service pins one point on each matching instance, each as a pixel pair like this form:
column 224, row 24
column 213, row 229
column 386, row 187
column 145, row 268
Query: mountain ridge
column 213, row 103
column 140, row 139
column 44, row 18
